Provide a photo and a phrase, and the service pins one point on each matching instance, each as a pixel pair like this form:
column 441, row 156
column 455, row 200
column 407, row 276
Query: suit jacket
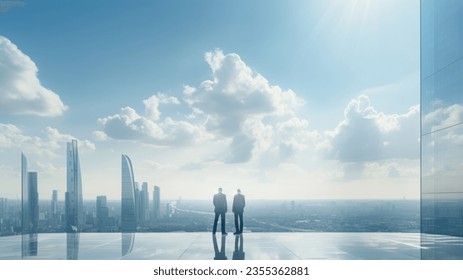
column 220, row 203
column 238, row 203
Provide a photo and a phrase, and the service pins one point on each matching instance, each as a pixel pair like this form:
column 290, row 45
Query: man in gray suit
column 220, row 208
column 238, row 209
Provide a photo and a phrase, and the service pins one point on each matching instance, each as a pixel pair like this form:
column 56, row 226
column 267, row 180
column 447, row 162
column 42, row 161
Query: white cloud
column 50, row 144
column 129, row 125
column 151, row 108
column 188, row 90
column 236, row 93
column 241, row 105
column 237, row 106
column 21, row 92
column 367, row 135
column 5, row 6
column 100, row 136
column 164, row 99
column 152, row 105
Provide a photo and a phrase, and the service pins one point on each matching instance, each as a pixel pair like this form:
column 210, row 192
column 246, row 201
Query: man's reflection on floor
column 219, row 255
column 238, row 254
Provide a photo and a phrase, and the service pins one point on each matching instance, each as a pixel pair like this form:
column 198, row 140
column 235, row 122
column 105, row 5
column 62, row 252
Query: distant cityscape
column 138, row 211
column 103, row 215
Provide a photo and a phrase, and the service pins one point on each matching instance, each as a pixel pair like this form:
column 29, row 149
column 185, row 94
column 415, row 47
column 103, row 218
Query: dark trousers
column 222, row 221
column 239, row 227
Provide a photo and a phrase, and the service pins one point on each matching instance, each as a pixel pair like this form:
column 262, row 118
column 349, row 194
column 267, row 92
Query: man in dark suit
column 220, row 208
column 238, row 209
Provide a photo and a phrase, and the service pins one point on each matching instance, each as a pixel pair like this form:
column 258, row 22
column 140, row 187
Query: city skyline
column 204, row 96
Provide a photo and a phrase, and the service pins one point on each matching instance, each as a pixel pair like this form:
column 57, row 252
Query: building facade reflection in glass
column 73, row 196
column 441, row 119
column 128, row 213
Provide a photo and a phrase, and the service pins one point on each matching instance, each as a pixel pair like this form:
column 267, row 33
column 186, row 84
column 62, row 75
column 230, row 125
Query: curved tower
column 128, row 213
column 73, row 197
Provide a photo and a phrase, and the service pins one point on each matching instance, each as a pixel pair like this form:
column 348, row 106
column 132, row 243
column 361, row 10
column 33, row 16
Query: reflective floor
column 204, row 246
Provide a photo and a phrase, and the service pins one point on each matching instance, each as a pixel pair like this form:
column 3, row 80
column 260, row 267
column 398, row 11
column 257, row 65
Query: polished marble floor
column 204, row 246
column 249, row 246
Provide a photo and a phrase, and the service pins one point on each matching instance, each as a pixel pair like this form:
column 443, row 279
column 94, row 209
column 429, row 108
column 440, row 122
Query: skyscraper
column 25, row 212
column 3, row 206
column 144, row 203
column 128, row 207
column 137, row 201
column 54, row 204
column 102, row 212
column 156, row 202
column 441, row 122
column 33, row 201
column 29, row 199
column 73, row 196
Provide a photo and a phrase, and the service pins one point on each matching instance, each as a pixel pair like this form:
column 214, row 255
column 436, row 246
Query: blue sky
column 284, row 99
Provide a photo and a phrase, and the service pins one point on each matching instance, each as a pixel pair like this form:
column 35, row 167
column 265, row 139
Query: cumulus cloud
column 236, row 106
column 241, row 105
column 236, row 93
column 148, row 128
column 368, row 135
column 21, row 92
column 51, row 143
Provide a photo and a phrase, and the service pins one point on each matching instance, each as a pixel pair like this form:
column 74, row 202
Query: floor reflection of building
column 219, row 255
column 30, row 245
column 127, row 241
column 72, row 248
column 238, row 254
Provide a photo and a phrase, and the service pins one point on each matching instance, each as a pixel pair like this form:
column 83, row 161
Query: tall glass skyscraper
column 128, row 212
column 25, row 219
column 144, row 204
column 73, row 196
column 29, row 199
column 54, row 204
column 102, row 212
column 156, row 202
column 441, row 120
column 29, row 209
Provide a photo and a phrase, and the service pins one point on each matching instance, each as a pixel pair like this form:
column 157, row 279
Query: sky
column 282, row 99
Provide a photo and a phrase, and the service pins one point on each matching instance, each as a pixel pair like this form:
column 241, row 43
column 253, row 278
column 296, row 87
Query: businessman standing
column 238, row 209
column 220, row 208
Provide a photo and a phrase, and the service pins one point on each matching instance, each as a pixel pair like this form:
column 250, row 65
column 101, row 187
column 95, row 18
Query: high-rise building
column 102, row 212
column 73, row 196
column 33, row 201
column 3, row 206
column 25, row 212
column 29, row 199
column 441, row 122
column 156, row 202
column 144, row 203
column 128, row 206
column 137, row 201
column 54, row 204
